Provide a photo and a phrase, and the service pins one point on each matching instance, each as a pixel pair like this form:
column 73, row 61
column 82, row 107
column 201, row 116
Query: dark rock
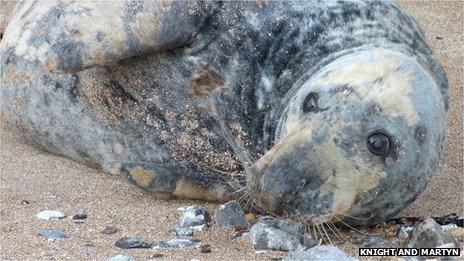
column 241, row 234
column 205, row 248
column 177, row 242
column 460, row 220
column 80, row 216
column 121, row 258
column 439, row 37
column 194, row 216
column 131, row 242
column 428, row 234
column 52, row 234
column 285, row 235
column 109, row 230
column 157, row 255
column 324, row 252
column 24, row 202
column 230, row 215
column 183, row 231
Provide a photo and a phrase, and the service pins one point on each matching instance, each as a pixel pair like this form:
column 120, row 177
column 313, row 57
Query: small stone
column 24, row 202
column 402, row 234
column 285, row 235
column 449, row 226
column 80, row 216
column 52, row 234
column 460, row 219
column 250, row 217
column 241, row 234
column 121, row 258
column 50, row 215
column 183, row 231
column 177, row 242
column 203, row 227
column 194, row 216
column 131, row 242
column 109, row 230
column 205, row 248
column 323, row 252
column 428, row 234
column 157, row 255
column 230, row 215
column 439, row 37
column 404, row 231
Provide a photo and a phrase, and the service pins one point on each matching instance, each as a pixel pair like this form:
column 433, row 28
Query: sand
column 49, row 181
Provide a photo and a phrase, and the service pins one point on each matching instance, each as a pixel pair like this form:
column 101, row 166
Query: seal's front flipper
column 71, row 36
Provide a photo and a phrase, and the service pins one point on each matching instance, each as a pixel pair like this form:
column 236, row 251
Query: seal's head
column 357, row 142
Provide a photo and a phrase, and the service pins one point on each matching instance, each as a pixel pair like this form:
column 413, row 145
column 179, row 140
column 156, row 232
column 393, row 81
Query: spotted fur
column 179, row 95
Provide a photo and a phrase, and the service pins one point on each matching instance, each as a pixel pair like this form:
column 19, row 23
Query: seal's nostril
column 310, row 102
column 378, row 143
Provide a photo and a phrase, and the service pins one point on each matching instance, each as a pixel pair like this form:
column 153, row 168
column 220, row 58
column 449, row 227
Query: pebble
column 121, row 258
column 24, row 202
column 79, row 216
column 448, row 226
column 250, row 217
column 131, row 242
column 324, row 252
column 203, row 227
column 402, row 234
column 404, row 231
column 460, row 219
column 50, row 215
column 157, row 255
column 428, row 234
column 230, row 215
column 285, row 235
column 177, row 243
column 240, row 234
column 183, row 231
column 194, row 216
column 205, row 248
column 52, row 234
column 109, row 230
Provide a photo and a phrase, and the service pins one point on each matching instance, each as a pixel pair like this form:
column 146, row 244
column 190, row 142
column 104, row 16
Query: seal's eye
column 378, row 143
column 310, row 102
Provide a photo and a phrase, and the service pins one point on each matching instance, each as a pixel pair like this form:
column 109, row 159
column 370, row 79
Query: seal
column 321, row 111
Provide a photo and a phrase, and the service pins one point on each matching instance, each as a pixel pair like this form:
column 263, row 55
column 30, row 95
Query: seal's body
column 318, row 110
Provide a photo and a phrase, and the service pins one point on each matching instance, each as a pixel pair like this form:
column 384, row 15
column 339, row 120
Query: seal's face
column 357, row 142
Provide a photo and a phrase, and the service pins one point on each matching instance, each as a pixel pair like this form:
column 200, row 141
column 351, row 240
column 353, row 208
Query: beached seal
column 313, row 110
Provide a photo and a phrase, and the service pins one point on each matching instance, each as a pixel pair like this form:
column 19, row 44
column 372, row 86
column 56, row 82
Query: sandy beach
column 48, row 181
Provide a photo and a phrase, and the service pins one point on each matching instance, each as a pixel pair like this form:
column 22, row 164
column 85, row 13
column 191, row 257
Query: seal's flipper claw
column 71, row 36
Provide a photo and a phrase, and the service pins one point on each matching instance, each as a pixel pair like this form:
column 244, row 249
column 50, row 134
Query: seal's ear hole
column 379, row 143
column 310, row 102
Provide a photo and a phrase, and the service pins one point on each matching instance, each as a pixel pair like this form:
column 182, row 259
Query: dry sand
column 52, row 182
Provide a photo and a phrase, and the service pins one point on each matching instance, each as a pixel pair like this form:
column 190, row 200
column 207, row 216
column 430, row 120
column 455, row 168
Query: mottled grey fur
column 191, row 103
